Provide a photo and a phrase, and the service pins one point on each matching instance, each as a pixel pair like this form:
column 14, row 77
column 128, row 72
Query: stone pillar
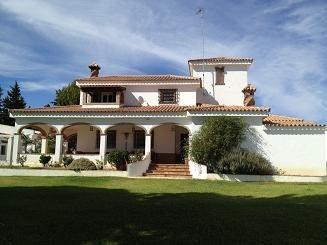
column 44, row 144
column 103, row 146
column 9, row 150
column 16, row 148
column 147, row 148
column 58, row 149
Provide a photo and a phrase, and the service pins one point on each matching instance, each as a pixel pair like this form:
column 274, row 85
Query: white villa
column 156, row 114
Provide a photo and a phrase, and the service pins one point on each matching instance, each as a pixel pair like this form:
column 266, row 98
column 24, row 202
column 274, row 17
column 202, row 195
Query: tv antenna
column 200, row 12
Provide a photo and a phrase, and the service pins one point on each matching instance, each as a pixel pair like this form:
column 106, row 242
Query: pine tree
column 14, row 99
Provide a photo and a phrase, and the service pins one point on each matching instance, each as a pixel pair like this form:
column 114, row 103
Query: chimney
column 95, row 68
column 248, row 92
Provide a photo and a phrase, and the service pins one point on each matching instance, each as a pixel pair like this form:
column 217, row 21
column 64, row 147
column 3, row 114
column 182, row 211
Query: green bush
column 82, row 164
column 119, row 158
column 21, row 160
column 241, row 161
column 215, row 139
column 44, row 159
column 136, row 157
column 66, row 160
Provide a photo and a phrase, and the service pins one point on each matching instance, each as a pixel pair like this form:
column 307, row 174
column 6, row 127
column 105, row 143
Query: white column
column 44, row 143
column 16, row 148
column 103, row 146
column 58, row 149
column 147, row 148
column 9, row 150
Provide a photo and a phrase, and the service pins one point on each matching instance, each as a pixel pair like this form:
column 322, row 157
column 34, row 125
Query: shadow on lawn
column 76, row 215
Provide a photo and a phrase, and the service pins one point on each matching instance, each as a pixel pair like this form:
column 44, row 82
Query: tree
column 215, row 139
column 1, row 102
column 67, row 95
column 14, row 98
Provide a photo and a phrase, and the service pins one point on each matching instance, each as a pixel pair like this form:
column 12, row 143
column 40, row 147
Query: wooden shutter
column 220, row 76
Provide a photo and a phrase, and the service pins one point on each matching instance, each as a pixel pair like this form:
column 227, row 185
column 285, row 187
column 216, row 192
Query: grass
column 77, row 210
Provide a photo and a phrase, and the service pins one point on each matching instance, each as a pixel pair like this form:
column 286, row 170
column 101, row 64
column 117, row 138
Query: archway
column 81, row 138
column 169, row 144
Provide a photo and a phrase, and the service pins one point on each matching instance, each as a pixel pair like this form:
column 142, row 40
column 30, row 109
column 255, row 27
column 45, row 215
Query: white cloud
column 41, row 86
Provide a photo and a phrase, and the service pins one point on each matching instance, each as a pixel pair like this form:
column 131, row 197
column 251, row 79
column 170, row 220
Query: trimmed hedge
column 241, row 161
column 119, row 158
column 82, row 164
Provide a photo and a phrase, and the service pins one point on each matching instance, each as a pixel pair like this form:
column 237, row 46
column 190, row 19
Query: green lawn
column 76, row 210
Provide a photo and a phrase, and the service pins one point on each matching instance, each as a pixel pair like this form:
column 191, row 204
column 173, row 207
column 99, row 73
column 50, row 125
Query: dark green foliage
column 241, row 161
column 13, row 100
column 119, row 158
column 136, row 157
column 51, row 144
column 44, row 159
column 216, row 138
column 82, row 164
column 66, row 160
column 68, row 95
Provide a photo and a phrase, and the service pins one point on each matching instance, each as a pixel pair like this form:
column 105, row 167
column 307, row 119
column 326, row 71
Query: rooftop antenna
column 200, row 12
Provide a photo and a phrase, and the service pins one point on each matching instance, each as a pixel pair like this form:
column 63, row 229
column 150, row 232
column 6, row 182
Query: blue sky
column 46, row 44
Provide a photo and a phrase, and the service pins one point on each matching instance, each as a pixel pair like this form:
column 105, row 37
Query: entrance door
column 183, row 144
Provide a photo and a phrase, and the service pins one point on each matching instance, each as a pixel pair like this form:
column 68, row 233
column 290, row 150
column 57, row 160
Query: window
column 98, row 139
column 139, row 139
column 167, row 96
column 108, row 97
column 111, row 139
column 220, row 76
column 3, row 150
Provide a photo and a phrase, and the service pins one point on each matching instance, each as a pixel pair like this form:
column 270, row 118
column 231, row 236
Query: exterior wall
column 229, row 94
column 298, row 151
column 150, row 94
column 164, row 139
column 86, row 139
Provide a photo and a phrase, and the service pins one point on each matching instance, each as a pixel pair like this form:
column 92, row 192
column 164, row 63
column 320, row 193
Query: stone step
column 169, row 172
column 186, row 176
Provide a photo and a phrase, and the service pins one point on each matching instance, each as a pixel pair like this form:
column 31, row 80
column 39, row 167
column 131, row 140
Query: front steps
column 180, row 171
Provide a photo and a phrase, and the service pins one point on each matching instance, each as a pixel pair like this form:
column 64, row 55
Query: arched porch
column 169, row 143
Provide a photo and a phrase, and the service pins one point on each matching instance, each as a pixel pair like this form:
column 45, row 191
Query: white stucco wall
column 150, row 94
column 298, row 151
column 236, row 79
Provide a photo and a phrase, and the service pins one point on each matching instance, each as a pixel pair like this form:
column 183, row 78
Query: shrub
column 136, row 157
column 241, row 161
column 44, row 159
column 21, row 160
column 215, row 139
column 66, row 160
column 119, row 158
column 82, row 164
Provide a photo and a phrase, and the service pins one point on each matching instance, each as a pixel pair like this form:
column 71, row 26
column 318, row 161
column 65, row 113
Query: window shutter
column 220, row 76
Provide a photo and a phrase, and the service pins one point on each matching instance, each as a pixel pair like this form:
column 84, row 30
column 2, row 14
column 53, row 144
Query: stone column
column 103, row 146
column 44, row 144
column 16, row 148
column 147, row 148
column 58, row 149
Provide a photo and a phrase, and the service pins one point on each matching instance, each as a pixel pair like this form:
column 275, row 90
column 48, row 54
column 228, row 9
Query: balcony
column 107, row 97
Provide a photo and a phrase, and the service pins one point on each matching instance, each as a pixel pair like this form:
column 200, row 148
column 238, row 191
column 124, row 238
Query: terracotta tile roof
column 138, row 78
column 224, row 59
column 276, row 120
column 140, row 109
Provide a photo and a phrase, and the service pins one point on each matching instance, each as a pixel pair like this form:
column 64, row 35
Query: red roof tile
column 276, row 120
column 224, row 59
column 138, row 78
column 140, row 109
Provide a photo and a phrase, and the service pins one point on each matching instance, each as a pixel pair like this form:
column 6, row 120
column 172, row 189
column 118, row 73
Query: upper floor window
column 220, row 76
column 167, row 96
column 108, row 97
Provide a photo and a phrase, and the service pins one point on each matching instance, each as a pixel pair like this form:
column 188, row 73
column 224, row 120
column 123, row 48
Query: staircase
column 180, row 171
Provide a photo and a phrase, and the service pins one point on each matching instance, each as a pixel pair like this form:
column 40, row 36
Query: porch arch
column 168, row 143
column 44, row 128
